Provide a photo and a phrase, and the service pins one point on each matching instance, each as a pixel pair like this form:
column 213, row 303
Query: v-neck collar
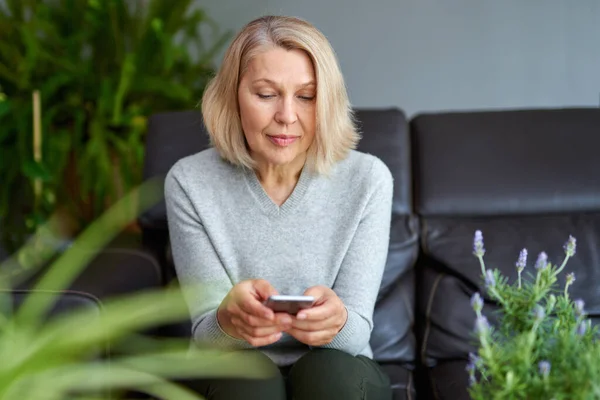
column 267, row 204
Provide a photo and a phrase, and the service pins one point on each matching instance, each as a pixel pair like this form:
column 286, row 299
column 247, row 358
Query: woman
column 282, row 204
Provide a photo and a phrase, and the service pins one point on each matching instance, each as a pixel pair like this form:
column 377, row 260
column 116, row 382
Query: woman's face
column 277, row 96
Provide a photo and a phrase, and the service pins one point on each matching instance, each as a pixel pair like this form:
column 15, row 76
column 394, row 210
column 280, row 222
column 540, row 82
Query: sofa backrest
column 526, row 179
column 172, row 136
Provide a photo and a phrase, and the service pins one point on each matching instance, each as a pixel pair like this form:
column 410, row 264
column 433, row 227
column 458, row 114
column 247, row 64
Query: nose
column 286, row 112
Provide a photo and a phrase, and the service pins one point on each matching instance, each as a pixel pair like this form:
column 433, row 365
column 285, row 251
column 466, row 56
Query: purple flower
column 571, row 278
column 542, row 261
column 478, row 249
column 473, row 358
column 539, row 313
column 522, row 261
column 579, row 307
column 472, row 380
column 582, row 328
column 490, row 280
column 544, row 367
column 570, row 246
column 476, row 302
column 482, row 325
column 470, row 368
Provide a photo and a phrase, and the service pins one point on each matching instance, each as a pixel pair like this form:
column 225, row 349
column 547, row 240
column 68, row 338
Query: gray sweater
column 333, row 230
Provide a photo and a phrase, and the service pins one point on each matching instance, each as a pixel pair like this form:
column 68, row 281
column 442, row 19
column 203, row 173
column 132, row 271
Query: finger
column 256, row 321
column 253, row 306
column 318, row 313
column 282, row 320
column 306, row 325
column 317, row 292
column 263, row 341
column 256, row 332
column 316, row 338
column 264, row 289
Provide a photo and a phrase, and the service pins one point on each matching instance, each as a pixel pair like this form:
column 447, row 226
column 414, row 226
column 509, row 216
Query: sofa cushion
column 507, row 162
column 67, row 301
column 109, row 273
column 451, row 273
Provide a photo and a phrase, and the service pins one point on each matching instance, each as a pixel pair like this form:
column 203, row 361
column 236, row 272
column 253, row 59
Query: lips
column 282, row 140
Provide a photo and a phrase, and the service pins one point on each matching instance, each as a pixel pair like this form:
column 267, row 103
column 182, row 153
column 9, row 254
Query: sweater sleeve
column 359, row 278
column 203, row 279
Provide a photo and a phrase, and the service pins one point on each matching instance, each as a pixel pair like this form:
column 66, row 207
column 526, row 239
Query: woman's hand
column 243, row 315
column 318, row 325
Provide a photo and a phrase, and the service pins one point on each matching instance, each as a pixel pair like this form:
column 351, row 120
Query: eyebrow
column 271, row 82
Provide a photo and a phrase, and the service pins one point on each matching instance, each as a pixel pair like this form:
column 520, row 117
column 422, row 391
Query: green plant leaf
column 170, row 90
column 70, row 264
column 97, row 65
column 36, row 170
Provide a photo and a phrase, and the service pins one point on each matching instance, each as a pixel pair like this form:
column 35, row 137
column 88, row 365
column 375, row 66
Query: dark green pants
column 318, row 375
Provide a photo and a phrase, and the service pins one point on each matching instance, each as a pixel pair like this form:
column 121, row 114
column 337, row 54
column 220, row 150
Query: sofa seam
column 433, row 387
column 87, row 295
column 428, row 315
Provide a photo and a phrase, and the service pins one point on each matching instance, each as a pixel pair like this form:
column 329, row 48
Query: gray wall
column 429, row 55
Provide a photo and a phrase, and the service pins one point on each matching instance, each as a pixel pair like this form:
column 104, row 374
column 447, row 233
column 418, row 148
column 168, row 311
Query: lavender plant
column 542, row 345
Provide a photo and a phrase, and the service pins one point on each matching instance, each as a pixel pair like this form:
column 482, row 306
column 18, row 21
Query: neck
column 271, row 175
column 279, row 181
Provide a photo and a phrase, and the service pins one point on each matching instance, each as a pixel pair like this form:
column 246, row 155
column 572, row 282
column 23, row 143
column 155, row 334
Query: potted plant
column 542, row 345
column 77, row 80
column 56, row 356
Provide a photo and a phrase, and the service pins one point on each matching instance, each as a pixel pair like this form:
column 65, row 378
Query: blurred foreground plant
column 542, row 346
column 48, row 356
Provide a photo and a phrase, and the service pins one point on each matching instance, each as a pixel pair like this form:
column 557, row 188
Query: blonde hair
column 336, row 133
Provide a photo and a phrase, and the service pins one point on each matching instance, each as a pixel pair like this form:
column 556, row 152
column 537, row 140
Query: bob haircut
column 336, row 133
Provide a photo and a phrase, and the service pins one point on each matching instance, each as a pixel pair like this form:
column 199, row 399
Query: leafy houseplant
column 542, row 346
column 77, row 80
column 57, row 358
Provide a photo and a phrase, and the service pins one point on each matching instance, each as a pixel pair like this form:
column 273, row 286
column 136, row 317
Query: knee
column 323, row 362
column 244, row 364
column 254, row 364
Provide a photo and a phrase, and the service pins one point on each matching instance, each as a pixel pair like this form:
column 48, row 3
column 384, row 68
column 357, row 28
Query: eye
column 265, row 96
column 307, row 98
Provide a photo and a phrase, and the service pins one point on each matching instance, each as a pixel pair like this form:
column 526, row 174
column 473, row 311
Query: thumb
column 264, row 289
column 318, row 292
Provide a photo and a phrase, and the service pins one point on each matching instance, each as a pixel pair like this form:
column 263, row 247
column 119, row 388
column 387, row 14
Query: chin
column 280, row 160
column 282, row 156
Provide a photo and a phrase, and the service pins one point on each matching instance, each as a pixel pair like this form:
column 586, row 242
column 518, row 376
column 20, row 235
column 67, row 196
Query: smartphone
column 289, row 304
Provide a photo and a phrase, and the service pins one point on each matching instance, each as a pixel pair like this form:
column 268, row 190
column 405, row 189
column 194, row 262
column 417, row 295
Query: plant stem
column 482, row 265
column 37, row 143
column 487, row 352
column 495, row 293
column 562, row 266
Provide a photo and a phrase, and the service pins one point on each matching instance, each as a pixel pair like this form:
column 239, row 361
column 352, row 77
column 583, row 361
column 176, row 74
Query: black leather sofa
column 526, row 178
